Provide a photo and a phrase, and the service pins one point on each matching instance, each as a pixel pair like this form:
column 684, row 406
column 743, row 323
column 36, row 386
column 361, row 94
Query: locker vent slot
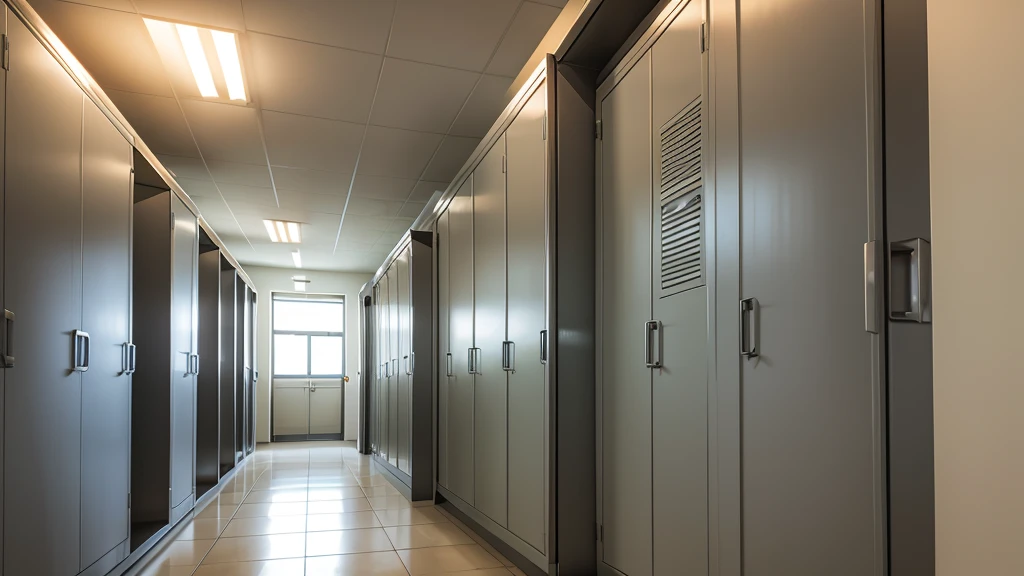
column 682, row 202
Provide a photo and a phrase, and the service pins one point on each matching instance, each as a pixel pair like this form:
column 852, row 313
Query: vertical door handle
column 652, row 328
column 80, row 349
column 195, row 367
column 410, row 364
column 474, row 361
column 543, row 346
column 131, row 358
column 312, row 386
column 448, row 364
column 394, row 366
column 750, row 311
column 255, row 373
column 508, row 356
column 8, row 355
column 126, row 361
column 910, row 280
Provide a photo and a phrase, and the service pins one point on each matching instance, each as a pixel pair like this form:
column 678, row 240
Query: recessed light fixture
column 297, row 259
column 284, row 232
column 300, row 283
column 227, row 53
column 212, row 56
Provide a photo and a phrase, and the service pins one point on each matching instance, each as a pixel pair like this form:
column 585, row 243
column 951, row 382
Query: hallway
column 321, row 508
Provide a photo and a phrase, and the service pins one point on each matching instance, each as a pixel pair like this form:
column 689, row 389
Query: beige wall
column 976, row 84
column 268, row 280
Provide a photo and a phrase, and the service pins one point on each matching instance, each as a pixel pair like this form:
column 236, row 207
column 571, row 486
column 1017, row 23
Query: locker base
column 305, row 437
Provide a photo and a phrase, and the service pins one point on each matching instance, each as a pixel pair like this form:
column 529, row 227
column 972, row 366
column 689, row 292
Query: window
column 309, row 337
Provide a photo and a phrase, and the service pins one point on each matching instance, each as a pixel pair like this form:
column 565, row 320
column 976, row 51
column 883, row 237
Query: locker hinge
column 544, row 127
column 703, row 37
column 504, row 167
column 598, row 130
column 7, row 52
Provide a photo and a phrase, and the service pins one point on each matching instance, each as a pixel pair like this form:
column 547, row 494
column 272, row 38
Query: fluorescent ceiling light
column 193, row 46
column 227, row 53
column 284, row 232
column 297, row 259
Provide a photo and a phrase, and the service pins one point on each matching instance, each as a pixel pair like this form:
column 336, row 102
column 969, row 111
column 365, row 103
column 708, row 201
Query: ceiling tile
column 349, row 245
column 122, row 5
column 470, row 30
column 396, row 153
column 388, row 240
column 311, row 181
column 199, row 188
column 236, row 173
column 311, row 79
column 325, row 203
column 127, row 60
column 450, row 157
column 425, row 189
column 357, row 262
column 420, row 96
column 359, row 206
column 528, row 28
column 412, row 210
column 249, row 194
column 382, row 187
column 483, row 108
column 216, row 13
column 367, row 223
column 158, row 120
column 355, row 24
column 314, row 143
column 557, row 3
column 225, row 131
column 400, row 225
column 184, row 167
column 359, row 236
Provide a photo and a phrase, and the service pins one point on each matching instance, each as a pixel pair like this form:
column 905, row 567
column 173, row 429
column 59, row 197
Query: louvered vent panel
column 682, row 202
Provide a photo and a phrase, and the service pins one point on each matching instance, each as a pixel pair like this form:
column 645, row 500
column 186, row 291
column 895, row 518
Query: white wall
column 977, row 193
column 268, row 280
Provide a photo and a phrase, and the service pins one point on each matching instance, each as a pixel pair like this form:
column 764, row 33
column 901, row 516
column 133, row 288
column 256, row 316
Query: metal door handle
column 132, row 365
column 312, row 386
column 81, row 351
column 410, row 365
column 195, row 367
column 448, row 364
column 394, row 366
column 543, row 346
column 650, row 328
column 255, row 373
column 474, row 361
column 8, row 356
column 911, row 286
column 508, row 352
column 126, row 361
column 750, row 311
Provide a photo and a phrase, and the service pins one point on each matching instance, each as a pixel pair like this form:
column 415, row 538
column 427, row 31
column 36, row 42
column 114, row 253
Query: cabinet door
column 395, row 354
column 291, row 407
column 443, row 348
column 106, row 287
column 325, row 404
column 461, row 384
column 183, row 382
column 625, row 306
column 491, row 400
column 527, row 290
column 227, row 370
column 404, row 362
column 241, row 368
column 43, row 276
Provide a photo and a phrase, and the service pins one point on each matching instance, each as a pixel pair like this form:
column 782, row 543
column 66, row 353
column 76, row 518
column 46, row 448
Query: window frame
column 309, row 339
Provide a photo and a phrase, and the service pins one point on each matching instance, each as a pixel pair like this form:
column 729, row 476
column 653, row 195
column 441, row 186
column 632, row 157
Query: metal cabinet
column 208, row 388
column 461, row 386
column 405, row 360
column 228, row 375
column 307, row 409
column 184, row 356
column 444, row 348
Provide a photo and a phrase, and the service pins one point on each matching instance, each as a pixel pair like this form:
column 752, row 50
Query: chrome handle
column 255, row 373
column 750, row 310
column 543, row 346
column 132, row 358
column 504, row 356
column 312, row 386
column 474, row 361
column 448, row 364
column 81, row 351
column 394, row 366
column 195, row 368
column 126, row 361
column 410, row 365
column 650, row 328
column 508, row 353
column 910, row 280
column 8, row 356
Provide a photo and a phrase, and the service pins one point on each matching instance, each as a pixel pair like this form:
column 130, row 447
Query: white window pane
column 290, row 355
column 327, row 355
column 307, row 316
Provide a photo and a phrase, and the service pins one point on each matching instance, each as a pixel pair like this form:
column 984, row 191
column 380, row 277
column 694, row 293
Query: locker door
column 396, row 364
column 227, row 369
column 241, row 369
column 385, row 336
column 461, row 385
column 379, row 371
column 811, row 488
column 106, row 313
column 291, row 407
column 443, row 347
column 255, row 372
column 43, row 276
column 527, row 288
column 183, row 381
column 625, row 276
column 3, row 111
column 404, row 367
column 680, row 389
column 247, row 350
column 491, row 400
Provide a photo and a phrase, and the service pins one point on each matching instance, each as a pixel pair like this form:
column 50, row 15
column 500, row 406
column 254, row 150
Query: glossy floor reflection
column 321, row 509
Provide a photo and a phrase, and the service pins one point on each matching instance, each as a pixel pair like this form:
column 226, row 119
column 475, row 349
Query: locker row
column 128, row 342
column 651, row 358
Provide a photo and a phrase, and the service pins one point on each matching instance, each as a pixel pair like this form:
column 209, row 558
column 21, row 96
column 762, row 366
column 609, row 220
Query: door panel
column 291, row 407
column 394, row 355
column 461, row 385
column 106, row 389
column 443, row 347
column 527, row 288
column 43, row 227
column 404, row 350
column 325, row 407
column 491, row 400
column 183, row 383
column 680, row 390
column 810, row 504
column 626, row 306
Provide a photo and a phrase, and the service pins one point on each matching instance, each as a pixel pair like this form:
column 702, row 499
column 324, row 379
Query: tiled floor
column 321, row 509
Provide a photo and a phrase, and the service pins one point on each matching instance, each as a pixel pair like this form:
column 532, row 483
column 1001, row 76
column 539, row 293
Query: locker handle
column 650, row 327
column 126, row 362
column 195, row 367
column 81, row 350
column 912, row 288
column 474, row 361
column 8, row 356
column 394, row 367
column 132, row 364
column 448, row 364
column 543, row 346
column 750, row 310
column 508, row 356
column 410, row 363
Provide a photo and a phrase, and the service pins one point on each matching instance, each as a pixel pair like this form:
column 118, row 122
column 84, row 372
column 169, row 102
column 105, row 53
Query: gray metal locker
column 184, row 359
column 255, row 371
column 527, row 320
column 404, row 333
column 241, row 370
column 208, row 377
column 227, row 365
column 444, row 349
column 5, row 352
column 461, row 388
column 391, row 336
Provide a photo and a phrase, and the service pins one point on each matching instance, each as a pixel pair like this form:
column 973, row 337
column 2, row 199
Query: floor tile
column 217, row 511
column 164, row 569
column 288, row 567
column 410, row 516
column 427, row 535
column 249, row 548
column 332, row 481
column 186, row 552
column 264, row 496
column 339, row 506
column 389, row 502
column 262, row 526
column 446, row 559
column 388, row 490
column 271, row 509
column 347, row 542
column 202, row 529
column 335, row 493
column 367, row 564
column 346, row 521
column 374, row 480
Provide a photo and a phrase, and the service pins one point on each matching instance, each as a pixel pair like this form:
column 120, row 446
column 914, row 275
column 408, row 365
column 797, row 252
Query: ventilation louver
column 682, row 202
